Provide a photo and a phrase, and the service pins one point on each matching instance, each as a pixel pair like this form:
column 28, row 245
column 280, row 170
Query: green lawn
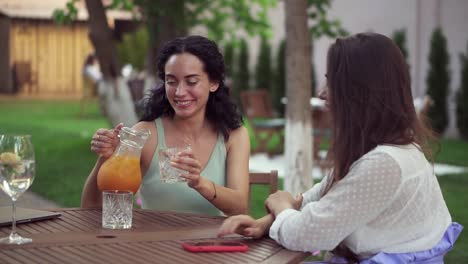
column 61, row 139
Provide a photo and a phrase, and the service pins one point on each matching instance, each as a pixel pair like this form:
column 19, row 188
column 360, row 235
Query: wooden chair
column 264, row 178
column 256, row 106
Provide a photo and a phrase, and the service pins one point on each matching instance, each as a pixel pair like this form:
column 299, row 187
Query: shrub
column 241, row 79
column 263, row 70
column 462, row 98
column 438, row 80
column 229, row 59
column 133, row 48
column 399, row 37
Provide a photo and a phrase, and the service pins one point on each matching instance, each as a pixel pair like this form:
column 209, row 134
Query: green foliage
column 242, row 75
column 263, row 70
column 399, row 37
column 438, row 80
column 454, row 191
column 323, row 26
column 280, row 79
column 226, row 17
column 229, row 58
column 452, row 151
column 462, row 98
column 133, row 48
column 222, row 18
column 67, row 15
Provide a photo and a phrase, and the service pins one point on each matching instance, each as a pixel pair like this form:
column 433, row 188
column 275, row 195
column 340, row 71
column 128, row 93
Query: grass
column 61, row 139
column 454, row 187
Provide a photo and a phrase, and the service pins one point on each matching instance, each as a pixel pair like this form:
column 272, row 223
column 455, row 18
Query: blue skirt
column 434, row 255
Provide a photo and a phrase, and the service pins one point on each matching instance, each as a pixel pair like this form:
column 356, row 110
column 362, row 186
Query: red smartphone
column 215, row 246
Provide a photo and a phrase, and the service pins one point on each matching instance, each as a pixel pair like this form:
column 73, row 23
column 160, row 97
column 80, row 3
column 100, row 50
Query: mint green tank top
column 180, row 197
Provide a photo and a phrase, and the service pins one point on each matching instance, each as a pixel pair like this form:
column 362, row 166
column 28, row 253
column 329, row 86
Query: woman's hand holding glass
column 187, row 161
column 105, row 141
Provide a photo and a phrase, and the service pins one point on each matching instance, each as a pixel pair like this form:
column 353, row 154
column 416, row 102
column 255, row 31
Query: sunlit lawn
column 61, row 139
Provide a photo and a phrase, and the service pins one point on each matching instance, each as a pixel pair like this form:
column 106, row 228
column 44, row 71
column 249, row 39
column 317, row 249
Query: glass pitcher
column 122, row 170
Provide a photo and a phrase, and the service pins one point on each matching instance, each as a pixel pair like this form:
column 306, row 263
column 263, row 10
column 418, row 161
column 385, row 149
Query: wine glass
column 17, row 168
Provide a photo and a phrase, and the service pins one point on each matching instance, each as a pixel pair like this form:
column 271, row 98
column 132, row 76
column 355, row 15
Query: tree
column 229, row 55
column 242, row 75
column 114, row 93
column 166, row 19
column 399, row 37
column 438, row 80
column 298, row 153
column 132, row 49
column 321, row 25
column 280, row 79
column 299, row 13
column 263, row 69
column 462, row 97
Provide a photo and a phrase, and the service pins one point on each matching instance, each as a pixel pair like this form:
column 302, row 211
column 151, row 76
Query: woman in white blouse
column 382, row 198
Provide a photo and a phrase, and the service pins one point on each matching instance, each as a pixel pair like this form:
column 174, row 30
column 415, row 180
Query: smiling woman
column 191, row 107
column 187, row 85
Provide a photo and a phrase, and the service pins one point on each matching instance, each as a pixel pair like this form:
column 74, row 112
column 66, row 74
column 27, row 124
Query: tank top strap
column 220, row 139
column 161, row 137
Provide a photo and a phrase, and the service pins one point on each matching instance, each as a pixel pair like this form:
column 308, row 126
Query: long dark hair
column 220, row 108
column 371, row 104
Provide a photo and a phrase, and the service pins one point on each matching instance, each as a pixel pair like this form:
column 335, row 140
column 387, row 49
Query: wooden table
column 77, row 237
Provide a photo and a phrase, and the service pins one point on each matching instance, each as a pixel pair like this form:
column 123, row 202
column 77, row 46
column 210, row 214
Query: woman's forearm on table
column 229, row 201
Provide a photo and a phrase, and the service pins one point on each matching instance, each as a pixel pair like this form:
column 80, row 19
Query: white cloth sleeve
column 314, row 193
column 367, row 190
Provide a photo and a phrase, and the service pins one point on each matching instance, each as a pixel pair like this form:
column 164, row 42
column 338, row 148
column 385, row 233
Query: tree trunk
column 298, row 153
column 165, row 22
column 114, row 96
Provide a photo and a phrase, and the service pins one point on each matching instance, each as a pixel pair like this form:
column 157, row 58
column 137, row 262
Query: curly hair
column 220, row 108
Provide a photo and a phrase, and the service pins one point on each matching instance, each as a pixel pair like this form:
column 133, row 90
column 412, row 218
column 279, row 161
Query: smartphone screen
column 215, row 246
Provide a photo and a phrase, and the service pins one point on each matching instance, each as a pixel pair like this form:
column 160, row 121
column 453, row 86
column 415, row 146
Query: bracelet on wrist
column 214, row 195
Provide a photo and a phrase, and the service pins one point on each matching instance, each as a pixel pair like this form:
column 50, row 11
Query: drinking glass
column 168, row 173
column 17, row 168
column 117, row 209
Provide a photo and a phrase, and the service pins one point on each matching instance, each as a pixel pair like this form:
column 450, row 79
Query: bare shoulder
column 144, row 124
column 149, row 126
column 238, row 136
column 239, row 133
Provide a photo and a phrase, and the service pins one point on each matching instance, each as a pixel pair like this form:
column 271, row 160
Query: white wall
column 385, row 16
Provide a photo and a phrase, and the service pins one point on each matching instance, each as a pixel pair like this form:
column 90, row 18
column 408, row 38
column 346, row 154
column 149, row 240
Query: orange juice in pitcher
column 122, row 170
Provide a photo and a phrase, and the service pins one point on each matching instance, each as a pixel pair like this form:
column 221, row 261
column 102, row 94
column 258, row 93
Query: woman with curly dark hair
column 191, row 106
column 381, row 203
